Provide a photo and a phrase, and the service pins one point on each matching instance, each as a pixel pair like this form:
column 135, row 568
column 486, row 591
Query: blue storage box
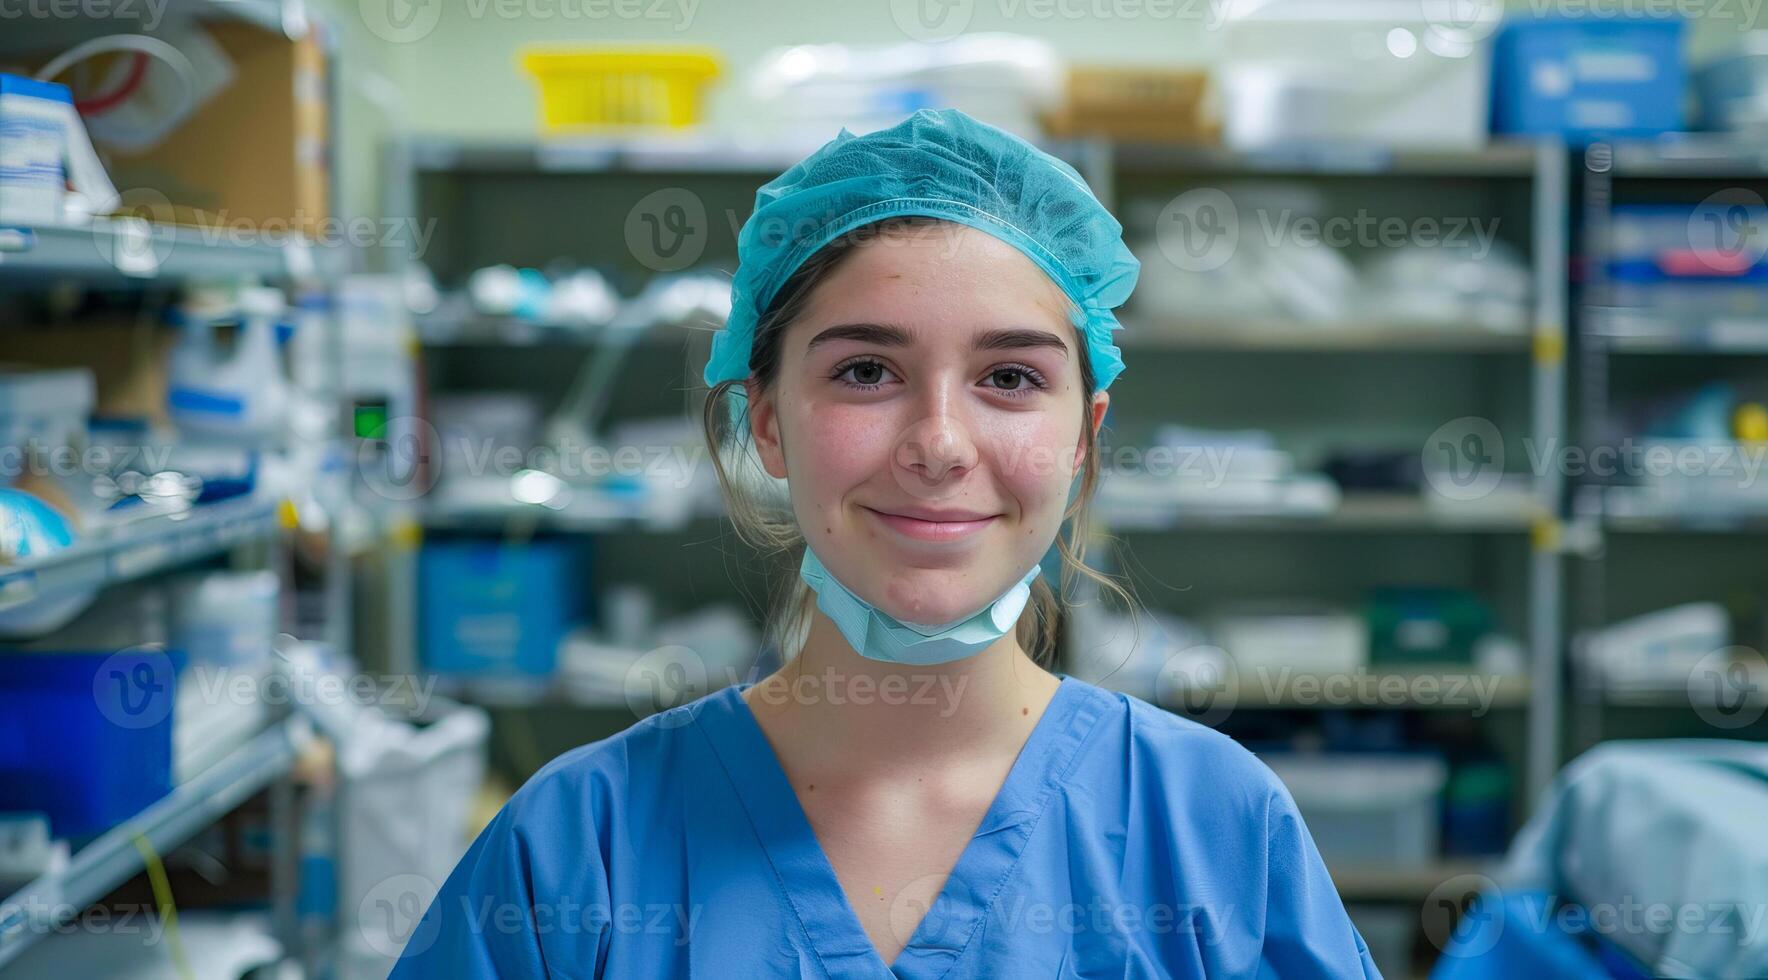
column 492, row 609
column 1713, row 241
column 86, row 737
column 1588, row 78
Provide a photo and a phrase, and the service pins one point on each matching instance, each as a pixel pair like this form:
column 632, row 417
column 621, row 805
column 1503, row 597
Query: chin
column 929, row 597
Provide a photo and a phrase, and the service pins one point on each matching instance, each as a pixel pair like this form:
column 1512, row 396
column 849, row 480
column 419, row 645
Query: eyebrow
column 890, row 335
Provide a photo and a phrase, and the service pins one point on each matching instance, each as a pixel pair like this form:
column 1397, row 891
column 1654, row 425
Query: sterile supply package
column 43, row 145
column 1374, row 72
column 1005, row 80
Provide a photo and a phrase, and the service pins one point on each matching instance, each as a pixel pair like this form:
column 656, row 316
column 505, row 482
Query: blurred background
column 351, row 463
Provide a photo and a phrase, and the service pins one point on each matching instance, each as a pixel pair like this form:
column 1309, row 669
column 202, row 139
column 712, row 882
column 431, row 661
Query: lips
column 931, row 525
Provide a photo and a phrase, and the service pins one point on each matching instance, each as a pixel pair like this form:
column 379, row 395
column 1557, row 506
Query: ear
column 1095, row 418
column 764, row 429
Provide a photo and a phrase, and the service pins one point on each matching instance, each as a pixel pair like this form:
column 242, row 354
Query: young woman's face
column 928, row 420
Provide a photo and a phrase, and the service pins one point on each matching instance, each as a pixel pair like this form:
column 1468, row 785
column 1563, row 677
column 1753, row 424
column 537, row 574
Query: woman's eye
column 1016, row 380
column 866, row 375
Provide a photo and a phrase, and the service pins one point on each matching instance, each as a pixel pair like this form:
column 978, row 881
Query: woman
column 921, row 336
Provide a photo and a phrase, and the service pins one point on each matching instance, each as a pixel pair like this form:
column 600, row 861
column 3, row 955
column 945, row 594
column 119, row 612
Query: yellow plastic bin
column 595, row 89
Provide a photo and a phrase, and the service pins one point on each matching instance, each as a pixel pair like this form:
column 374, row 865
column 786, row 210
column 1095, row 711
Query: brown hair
column 774, row 532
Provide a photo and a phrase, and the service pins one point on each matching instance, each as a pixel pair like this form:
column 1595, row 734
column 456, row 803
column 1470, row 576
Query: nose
column 937, row 447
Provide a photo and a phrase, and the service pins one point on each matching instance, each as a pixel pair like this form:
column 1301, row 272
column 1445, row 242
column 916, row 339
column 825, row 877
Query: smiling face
column 928, row 419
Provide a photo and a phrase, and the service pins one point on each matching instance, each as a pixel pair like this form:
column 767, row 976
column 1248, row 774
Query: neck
column 848, row 710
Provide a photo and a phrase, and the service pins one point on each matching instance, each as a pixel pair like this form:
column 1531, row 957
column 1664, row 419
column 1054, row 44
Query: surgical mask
column 879, row 636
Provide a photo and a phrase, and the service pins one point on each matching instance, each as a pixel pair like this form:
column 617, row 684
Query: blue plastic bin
column 1711, row 242
column 491, row 609
column 1588, row 78
column 86, row 737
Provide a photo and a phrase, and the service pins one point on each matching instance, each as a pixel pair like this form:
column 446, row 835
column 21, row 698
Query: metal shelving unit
column 37, row 909
column 1613, row 337
column 1545, row 167
column 156, row 258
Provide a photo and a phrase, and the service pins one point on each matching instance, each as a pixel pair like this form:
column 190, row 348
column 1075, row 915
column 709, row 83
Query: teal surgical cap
column 944, row 164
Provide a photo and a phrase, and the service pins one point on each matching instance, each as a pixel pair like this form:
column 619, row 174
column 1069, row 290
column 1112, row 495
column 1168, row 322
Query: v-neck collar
column 808, row 879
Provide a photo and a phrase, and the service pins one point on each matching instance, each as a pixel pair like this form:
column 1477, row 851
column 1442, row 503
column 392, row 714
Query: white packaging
column 1654, row 652
column 1367, row 811
column 405, row 823
column 32, row 120
column 225, row 617
column 1005, row 80
column 1374, row 72
column 1302, row 638
column 42, row 411
column 225, row 623
column 241, row 397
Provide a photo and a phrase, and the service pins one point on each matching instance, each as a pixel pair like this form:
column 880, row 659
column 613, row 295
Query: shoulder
column 1185, row 759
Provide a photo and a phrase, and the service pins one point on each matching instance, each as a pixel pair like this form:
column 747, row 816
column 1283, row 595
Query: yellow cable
column 162, row 896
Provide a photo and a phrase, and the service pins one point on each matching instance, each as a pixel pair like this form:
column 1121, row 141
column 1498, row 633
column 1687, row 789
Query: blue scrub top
column 1126, row 842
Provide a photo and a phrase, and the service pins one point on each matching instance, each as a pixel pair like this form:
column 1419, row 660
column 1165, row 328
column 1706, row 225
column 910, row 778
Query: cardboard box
column 1140, row 129
column 1132, row 91
column 1157, row 104
column 127, row 359
column 254, row 157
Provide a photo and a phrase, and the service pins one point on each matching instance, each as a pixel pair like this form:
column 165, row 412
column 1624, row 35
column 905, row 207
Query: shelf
column 591, row 517
column 436, row 332
column 1716, row 156
column 1262, row 336
column 40, row 907
column 1634, row 510
column 527, row 694
column 1688, row 523
column 1355, row 512
column 1630, row 331
column 135, row 251
column 715, row 153
column 1660, row 699
column 49, row 34
column 1410, row 884
column 271, row 15
column 134, row 550
column 1451, row 687
column 694, row 152
column 1505, row 158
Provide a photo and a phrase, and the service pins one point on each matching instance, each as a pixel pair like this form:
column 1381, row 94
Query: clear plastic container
column 1368, row 811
